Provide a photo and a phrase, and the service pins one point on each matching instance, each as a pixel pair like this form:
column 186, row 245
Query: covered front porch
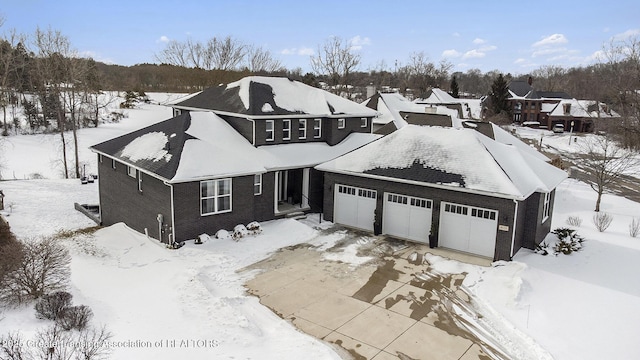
column 291, row 191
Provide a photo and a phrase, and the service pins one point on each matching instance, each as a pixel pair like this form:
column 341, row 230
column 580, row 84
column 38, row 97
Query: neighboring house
column 466, row 108
column 483, row 195
column 396, row 111
column 232, row 154
column 547, row 108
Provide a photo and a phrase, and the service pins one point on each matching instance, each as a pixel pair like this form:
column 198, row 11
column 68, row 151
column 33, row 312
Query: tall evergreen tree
column 499, row 96
column 455, row 90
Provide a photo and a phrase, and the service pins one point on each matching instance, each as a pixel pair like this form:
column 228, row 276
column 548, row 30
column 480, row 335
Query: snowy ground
column 581, row 306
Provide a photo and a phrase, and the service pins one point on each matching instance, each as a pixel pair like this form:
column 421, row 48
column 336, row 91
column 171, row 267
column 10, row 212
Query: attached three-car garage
column 461, row 227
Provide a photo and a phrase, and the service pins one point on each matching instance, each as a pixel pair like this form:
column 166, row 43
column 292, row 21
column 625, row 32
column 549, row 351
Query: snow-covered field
column 190, row 303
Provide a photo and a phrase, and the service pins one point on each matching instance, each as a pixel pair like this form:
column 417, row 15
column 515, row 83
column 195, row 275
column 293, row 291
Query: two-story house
column 232, row 154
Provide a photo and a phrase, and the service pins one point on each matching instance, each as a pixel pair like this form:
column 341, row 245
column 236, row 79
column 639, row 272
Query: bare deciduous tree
column 225, row 54
column 44, row 269
column 604, row 161
column 336, row 59
column 259, row 59
column 174, row 53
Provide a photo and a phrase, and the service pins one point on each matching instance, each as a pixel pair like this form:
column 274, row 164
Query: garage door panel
column 407, row 217
column 468, row 229
column 354, row 206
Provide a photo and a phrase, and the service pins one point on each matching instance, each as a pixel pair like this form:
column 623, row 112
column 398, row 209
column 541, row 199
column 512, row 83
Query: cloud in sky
column 163, row 39
column 475, row 53
column 451, row 53
column 357, row 42
column 625, row 35
column 456, row 34
column 551, row 40
column 303, row 51
column 479, row 41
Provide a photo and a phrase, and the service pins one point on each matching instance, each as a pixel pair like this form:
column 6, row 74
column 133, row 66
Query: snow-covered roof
column 451, row 157
column 391, row 107
column 272, row 96
column 598, row 109
column 471, row 108
column 504, row 137
column 574, row 107
column 201, row 145
column 438, row 96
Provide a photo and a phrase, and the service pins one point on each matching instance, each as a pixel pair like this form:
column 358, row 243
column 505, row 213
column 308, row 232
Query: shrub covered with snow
column 74, row 317
column 223, row 234
column 568, row 241
column 240, row 231
column 254, row 228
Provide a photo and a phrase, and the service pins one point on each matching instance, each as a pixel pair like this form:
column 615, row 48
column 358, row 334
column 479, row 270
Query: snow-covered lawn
column 580, row 306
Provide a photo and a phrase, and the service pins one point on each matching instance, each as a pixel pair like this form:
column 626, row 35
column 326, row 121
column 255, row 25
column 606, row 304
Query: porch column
column 305, row 187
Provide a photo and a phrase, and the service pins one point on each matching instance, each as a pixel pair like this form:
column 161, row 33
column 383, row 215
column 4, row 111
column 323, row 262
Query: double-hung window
column 215, row 196
column 131, row 171
column 257, row 184
column 363, row 122
column 341, row 123
column 302, row 129
column 270, row 130
column 286, row 129
column 317, row 128
column 546, row 207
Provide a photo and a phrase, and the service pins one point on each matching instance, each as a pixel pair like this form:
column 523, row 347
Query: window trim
column 286, row 127
column 216, row 196
column 100, row 158
column 113, row 164
column 341, row 123
column 317, row 125
column 546, row 207
column 132, row 172
column 302, row 126
column 140, row 181
column 257, row 181
column 364, row 122
column 269, row 133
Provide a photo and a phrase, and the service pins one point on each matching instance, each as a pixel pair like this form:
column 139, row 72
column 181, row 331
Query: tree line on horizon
column 58, row 87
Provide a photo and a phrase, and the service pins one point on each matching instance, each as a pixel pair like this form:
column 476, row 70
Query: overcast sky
column 511, row 36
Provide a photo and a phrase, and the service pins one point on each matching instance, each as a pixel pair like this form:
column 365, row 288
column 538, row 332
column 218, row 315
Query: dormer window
column 363, row 122
column 341, row 123
column 269, row 129
column 566, row 108
column 286, row 129
column 317, row 128
column 302, row 129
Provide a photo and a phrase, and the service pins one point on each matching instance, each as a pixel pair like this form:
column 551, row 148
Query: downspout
column 173, row 218
column 513, row 229
column 172, row 236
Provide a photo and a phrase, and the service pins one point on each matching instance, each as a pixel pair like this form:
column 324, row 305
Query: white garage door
column 468, row 229
column 407, row 217
column 354, row 206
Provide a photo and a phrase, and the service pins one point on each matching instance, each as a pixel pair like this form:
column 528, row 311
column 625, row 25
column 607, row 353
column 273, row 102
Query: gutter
column 418, row 183
column 267, row 117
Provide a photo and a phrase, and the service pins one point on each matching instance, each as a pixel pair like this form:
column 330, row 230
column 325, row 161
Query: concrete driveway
column 393, row 307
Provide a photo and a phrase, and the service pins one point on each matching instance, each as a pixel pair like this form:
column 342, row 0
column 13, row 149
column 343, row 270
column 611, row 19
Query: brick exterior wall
column 329, row 132
column 120, row 200
column 535, row 230
column 189, row 222
column 505, row 207
column 243, row 126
